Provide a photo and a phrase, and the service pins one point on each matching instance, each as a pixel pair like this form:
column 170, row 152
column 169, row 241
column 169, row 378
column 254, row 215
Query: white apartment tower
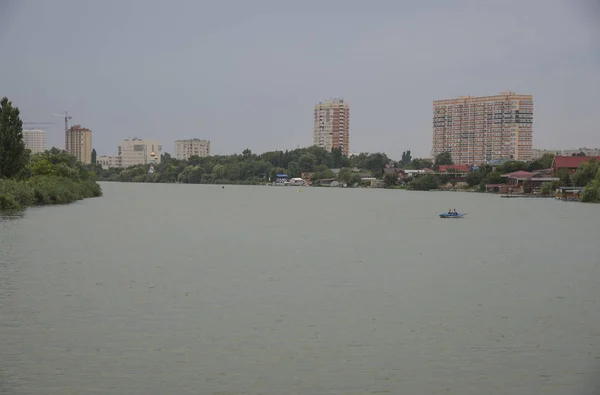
column 35, row 140
column 186, row 148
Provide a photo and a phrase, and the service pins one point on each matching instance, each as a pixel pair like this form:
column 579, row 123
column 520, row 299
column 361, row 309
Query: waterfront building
column 109, row 161
column 570, row 163
column 477, row 130
column 79, row 143
column 137, row 151
column 191, row 147
column 35, row 140
column 332, row 125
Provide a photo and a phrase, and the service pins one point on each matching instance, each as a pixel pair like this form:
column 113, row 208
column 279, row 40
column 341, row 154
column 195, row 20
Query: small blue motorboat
column 451, row 214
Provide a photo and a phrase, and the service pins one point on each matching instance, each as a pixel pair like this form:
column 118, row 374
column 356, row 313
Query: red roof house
column 571, row 163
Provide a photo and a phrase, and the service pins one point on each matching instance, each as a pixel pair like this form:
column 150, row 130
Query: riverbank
column 45, row 190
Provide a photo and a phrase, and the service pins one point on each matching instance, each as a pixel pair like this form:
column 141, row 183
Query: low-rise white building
column 186, row 148
column 35, row 140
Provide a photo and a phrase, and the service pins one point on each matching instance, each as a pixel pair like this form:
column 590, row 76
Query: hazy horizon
column 247, row 75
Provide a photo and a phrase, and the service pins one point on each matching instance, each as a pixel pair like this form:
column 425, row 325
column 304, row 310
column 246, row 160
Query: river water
column 190, row 289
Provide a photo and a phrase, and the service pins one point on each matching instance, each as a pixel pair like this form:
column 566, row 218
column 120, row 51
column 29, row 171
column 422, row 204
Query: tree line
column 51, row 177
column 251, row 168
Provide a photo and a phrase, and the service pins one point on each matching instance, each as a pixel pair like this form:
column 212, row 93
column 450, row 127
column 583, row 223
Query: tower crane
column 37, row 123
column 67, row 117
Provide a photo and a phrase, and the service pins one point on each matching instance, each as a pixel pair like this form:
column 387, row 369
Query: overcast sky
column 246, row 74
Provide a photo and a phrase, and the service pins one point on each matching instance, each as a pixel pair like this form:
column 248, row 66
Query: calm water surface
column 189, row 289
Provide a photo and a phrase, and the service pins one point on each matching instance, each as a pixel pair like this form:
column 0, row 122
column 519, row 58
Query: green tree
column 165, row 157
column 390, row 179
column 513, row 166
column 63, row 170
column 246, row 154
column 586, row 172
column 591, row 193
column 344, row 175
column 564, row 178
column 43, row 167
column 494, row 177
column 444, row 158
column 354, row 179
column 233, row 171
column 475, row 178
column 12, row 147
column 546, row 188
column 425, row 183
column 93, row 156
column 190, row 175
column 337, row 156
column 218, row 172
column 56, row 156
column 325, row 174
column 419, row 164
column 294, row 169
column 307, row 162
column 545, row 162
column 406, row 158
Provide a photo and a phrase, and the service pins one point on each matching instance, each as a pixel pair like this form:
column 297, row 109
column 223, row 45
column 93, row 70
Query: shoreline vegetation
column 319, row 167
column 50, row 177
column 54, row 177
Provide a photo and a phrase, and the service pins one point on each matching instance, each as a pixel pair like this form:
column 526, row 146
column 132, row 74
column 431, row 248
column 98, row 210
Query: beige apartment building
column 476, row 130
column 139, row 152
column 79, row 143
column 186, row 148
column 35, row 140
column 332, row 125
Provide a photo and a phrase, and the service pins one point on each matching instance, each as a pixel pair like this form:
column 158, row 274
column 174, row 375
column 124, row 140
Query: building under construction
column 79, row 143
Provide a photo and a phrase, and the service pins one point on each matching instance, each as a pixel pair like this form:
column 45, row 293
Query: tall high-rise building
column 35, row 140
column 186, row 148
column 479, row 129
column 332, row 125
column 79, row 143
column 139, row 152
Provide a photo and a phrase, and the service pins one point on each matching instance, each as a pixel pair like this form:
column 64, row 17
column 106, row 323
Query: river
column 192, row 289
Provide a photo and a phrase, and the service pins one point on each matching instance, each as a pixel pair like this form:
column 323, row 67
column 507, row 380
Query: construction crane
column 38, row 123
column 67, row 117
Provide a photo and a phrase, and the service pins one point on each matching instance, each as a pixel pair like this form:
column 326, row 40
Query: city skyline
column 389, row 62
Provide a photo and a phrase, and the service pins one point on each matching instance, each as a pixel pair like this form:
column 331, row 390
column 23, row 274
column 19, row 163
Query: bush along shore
column 50, row 177
column 41, row 190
